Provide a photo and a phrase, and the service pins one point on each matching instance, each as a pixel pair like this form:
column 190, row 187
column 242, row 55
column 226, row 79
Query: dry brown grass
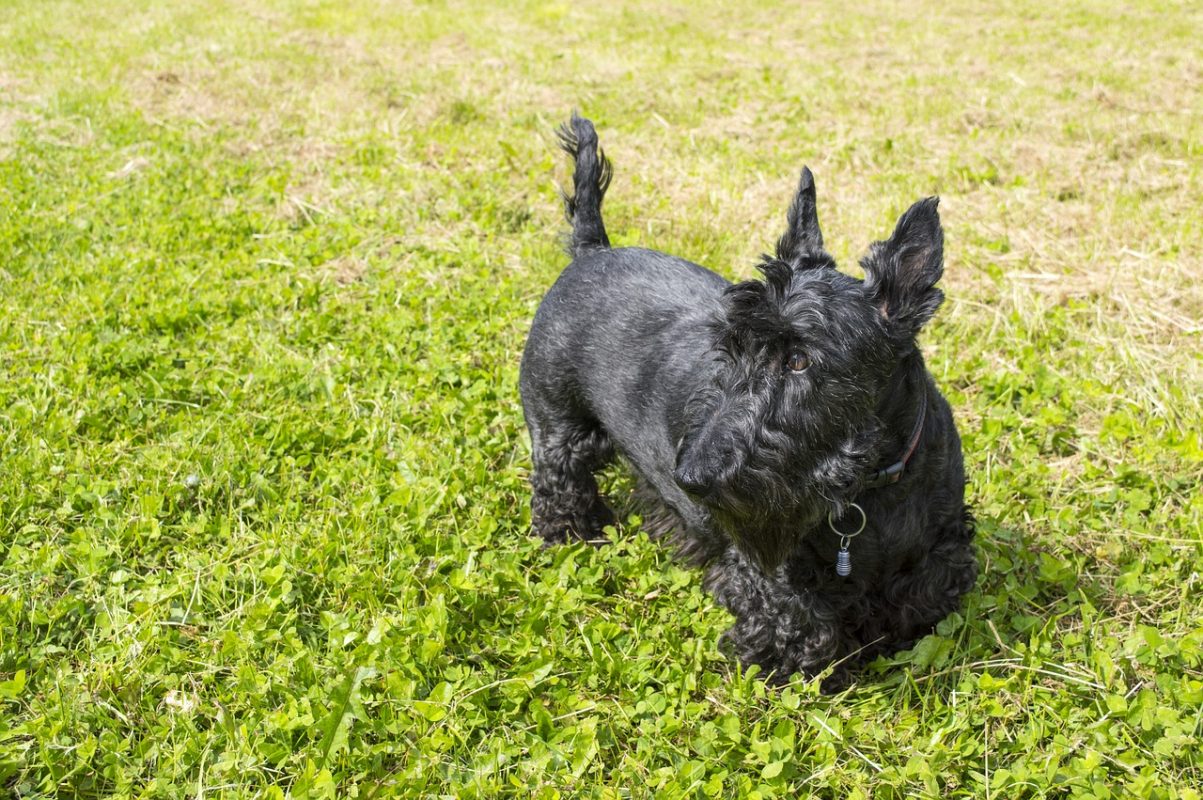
column 1068, row 136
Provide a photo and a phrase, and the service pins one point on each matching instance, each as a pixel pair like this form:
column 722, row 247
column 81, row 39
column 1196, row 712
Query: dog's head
column 786, row 427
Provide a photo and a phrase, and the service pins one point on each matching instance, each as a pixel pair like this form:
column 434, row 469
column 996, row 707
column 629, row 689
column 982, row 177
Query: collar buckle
column 885, row 477
column 893, row 473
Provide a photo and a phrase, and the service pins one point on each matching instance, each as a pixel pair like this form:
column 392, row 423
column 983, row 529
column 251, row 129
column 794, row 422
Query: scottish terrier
column 785, row 431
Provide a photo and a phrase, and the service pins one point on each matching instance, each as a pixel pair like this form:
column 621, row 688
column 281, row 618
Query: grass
column 265, row 274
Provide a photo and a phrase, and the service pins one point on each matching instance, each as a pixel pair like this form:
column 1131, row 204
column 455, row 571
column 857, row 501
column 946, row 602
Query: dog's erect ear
column 803, row 237
column 901, row 273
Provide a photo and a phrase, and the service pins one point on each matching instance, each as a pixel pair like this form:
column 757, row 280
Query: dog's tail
column 590, row 178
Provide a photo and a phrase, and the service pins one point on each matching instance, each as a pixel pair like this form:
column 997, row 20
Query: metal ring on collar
column 864, row 520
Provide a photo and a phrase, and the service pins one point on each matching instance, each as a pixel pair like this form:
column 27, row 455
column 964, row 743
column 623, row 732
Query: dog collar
column 882, row 477
column 892, row 473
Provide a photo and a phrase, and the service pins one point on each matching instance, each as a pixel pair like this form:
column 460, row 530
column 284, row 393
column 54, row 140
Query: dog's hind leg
column 565, row 502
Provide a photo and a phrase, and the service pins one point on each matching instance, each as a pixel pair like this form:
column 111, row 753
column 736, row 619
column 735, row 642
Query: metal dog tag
column 843, row 559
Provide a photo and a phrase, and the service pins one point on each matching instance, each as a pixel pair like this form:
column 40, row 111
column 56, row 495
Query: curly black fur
column 591, row 178
column 749, row 413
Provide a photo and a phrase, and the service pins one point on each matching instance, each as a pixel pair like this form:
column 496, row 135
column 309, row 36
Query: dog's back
column 608, row 301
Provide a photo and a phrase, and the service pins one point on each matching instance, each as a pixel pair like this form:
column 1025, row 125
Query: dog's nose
column 697, row 482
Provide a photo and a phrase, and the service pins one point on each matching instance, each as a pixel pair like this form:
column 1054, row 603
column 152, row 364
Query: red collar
column 892, row 473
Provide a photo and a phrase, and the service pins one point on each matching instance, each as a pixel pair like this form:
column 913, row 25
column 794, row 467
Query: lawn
column 266, row 270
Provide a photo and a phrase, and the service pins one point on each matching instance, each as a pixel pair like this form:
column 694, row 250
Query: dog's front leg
column 777, row 626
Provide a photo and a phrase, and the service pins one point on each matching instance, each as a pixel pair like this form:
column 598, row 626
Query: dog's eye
column 796, row 361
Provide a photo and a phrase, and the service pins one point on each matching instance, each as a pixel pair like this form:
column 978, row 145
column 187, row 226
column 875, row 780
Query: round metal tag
column 864, row 520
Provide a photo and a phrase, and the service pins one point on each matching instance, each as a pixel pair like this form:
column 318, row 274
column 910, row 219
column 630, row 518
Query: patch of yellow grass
column 1063, row 139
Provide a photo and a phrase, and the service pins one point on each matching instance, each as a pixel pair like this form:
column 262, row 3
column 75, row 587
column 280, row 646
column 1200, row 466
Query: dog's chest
column 867, row 557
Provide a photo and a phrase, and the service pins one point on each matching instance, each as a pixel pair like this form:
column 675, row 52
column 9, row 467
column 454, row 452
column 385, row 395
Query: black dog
column 786, row 431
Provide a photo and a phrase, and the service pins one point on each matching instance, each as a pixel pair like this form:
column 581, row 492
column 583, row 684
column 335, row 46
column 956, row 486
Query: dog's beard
column 769, row 510
column 770, row 536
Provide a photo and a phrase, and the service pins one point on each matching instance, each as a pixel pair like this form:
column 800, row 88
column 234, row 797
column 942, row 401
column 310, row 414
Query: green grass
column 265, row 274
